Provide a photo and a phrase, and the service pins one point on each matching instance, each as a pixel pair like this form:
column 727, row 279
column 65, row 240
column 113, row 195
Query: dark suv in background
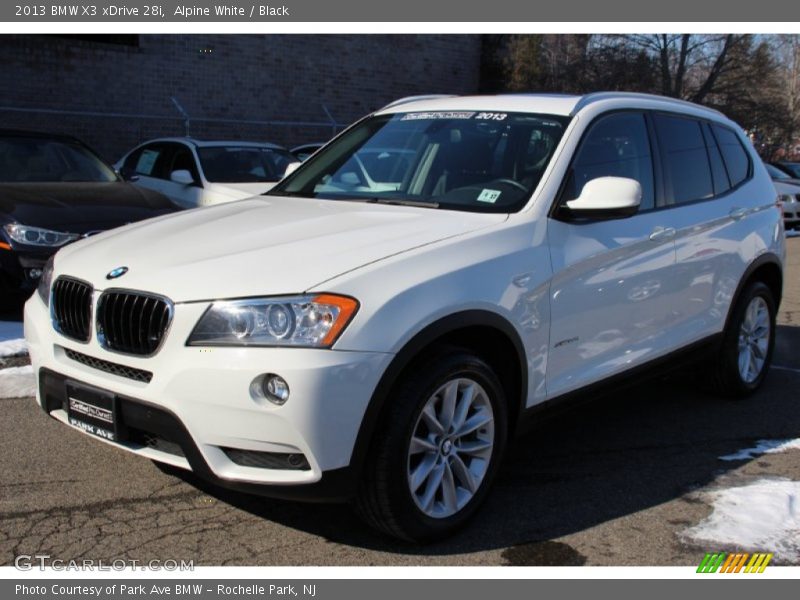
column 54, row 190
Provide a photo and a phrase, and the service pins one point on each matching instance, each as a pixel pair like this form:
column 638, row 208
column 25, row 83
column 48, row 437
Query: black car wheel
column 433, row 459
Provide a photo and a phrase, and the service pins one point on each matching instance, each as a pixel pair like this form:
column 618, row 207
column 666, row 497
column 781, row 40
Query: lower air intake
column 267, row 460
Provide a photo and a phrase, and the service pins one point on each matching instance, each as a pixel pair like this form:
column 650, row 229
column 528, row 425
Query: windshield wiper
column 393, row 202
column 273, row 192
column 370, row 200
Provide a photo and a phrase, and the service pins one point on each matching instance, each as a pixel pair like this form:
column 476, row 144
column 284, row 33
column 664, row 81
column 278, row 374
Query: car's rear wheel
column 438, row 448
column 748, row 342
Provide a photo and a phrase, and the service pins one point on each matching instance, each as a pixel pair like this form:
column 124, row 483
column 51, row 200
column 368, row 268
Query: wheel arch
column 504, row 351
column 767, row 269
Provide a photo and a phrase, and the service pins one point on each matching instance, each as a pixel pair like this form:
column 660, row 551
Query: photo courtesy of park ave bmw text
column 340, row 285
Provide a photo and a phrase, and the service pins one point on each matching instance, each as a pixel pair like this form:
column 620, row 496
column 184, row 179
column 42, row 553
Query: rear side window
column 683, row 148
column 617, row 145
column 718, row 171
column 735, row 156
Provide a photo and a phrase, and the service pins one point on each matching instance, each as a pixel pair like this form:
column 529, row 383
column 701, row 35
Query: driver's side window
column 617, row 145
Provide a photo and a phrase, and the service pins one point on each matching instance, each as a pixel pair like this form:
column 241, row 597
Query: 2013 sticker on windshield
column 491, row 116
column 489, row 196
column 428, row 116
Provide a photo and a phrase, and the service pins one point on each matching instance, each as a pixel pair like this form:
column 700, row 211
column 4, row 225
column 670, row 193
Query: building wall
column 236, row 77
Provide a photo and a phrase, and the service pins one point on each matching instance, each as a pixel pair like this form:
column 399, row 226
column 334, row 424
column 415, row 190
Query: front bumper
column 791, row 213
column 19, row 269
column 198, row 405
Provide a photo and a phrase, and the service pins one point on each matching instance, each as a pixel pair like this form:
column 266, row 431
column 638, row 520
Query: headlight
column 45, row 280
column 786, row 198
column 311, row 321
column 36, row 236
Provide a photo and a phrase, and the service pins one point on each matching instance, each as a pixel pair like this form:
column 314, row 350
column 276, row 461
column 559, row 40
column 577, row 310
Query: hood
column 80, row 207
column 787, row 186
column 258, row 247
column 237, row 191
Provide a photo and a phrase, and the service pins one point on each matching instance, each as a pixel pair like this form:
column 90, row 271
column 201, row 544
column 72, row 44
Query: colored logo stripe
column 758, row 563
column 711, row 562
column 734, row 563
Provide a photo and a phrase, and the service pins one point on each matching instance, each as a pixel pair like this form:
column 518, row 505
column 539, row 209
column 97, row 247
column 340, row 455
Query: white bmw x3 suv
column 377, row 331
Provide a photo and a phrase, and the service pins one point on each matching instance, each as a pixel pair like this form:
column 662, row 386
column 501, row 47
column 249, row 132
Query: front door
column 612, row 296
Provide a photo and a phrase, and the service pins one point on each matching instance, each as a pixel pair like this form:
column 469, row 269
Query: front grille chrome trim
column 68, row 320
column 118, row 337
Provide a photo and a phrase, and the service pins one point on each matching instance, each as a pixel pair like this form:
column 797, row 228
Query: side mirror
column 181, row 176
column 291, row 168
column 126, row 174
column 607, row 198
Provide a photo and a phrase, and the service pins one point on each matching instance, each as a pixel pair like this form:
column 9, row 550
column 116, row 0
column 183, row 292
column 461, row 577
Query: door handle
column 662, row 233
column 737, row 213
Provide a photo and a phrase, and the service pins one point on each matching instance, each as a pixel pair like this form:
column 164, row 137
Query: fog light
column 34, row 273
column 276, row 390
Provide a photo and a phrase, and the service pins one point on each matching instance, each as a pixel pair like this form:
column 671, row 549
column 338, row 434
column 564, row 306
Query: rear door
column 612, row 294
column 705, row 168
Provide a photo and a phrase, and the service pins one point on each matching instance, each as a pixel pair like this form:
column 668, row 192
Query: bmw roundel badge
column 118, row 272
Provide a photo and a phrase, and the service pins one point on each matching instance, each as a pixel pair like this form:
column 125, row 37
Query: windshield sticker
column 489, row 116
column 427, row 116
column 489, row 196
column 144, row 165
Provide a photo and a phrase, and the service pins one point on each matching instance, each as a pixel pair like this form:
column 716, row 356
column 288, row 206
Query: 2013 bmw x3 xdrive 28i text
column 377, row 330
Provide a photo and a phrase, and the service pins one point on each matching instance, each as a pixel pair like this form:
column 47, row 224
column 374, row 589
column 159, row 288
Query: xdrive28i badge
column 118, row 272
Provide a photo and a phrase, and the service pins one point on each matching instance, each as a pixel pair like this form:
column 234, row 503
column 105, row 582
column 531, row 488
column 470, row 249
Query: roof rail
column 588, row 99
column 408, row 99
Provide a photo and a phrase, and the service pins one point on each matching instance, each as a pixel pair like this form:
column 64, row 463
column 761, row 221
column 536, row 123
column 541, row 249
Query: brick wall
column 239, row 77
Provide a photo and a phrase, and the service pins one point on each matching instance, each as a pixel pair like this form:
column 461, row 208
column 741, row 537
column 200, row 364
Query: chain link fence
column 114, row 133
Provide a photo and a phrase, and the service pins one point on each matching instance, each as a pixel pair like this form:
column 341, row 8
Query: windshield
column 39, row 160
column 476, row 161
column 243, row 164
column 776, row 173
column 793, row 167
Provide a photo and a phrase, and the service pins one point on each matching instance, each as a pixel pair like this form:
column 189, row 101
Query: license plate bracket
column 92, row 410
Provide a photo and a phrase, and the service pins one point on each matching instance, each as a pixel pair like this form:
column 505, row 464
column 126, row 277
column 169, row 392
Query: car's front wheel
column 439, row 445
column 747, row 345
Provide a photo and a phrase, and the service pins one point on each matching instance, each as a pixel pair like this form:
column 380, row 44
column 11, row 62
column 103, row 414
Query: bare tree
column 752, row 79
column 523, row 62
column 689, row 65
column 787, row 51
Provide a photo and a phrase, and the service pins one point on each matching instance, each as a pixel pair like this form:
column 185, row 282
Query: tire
column 394, row 495
column 730, row 377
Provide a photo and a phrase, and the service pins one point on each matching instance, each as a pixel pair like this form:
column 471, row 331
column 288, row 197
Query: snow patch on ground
column 761, row 516
column 12, row 348
column 763, row 447
column 17, row 382
column 11, row 342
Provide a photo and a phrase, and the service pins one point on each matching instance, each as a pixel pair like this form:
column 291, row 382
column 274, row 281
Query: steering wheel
column 511, row 182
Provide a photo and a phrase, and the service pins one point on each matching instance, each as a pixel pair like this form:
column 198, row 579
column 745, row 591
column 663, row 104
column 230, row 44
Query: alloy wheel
column 754, row 338
column 450, row 448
